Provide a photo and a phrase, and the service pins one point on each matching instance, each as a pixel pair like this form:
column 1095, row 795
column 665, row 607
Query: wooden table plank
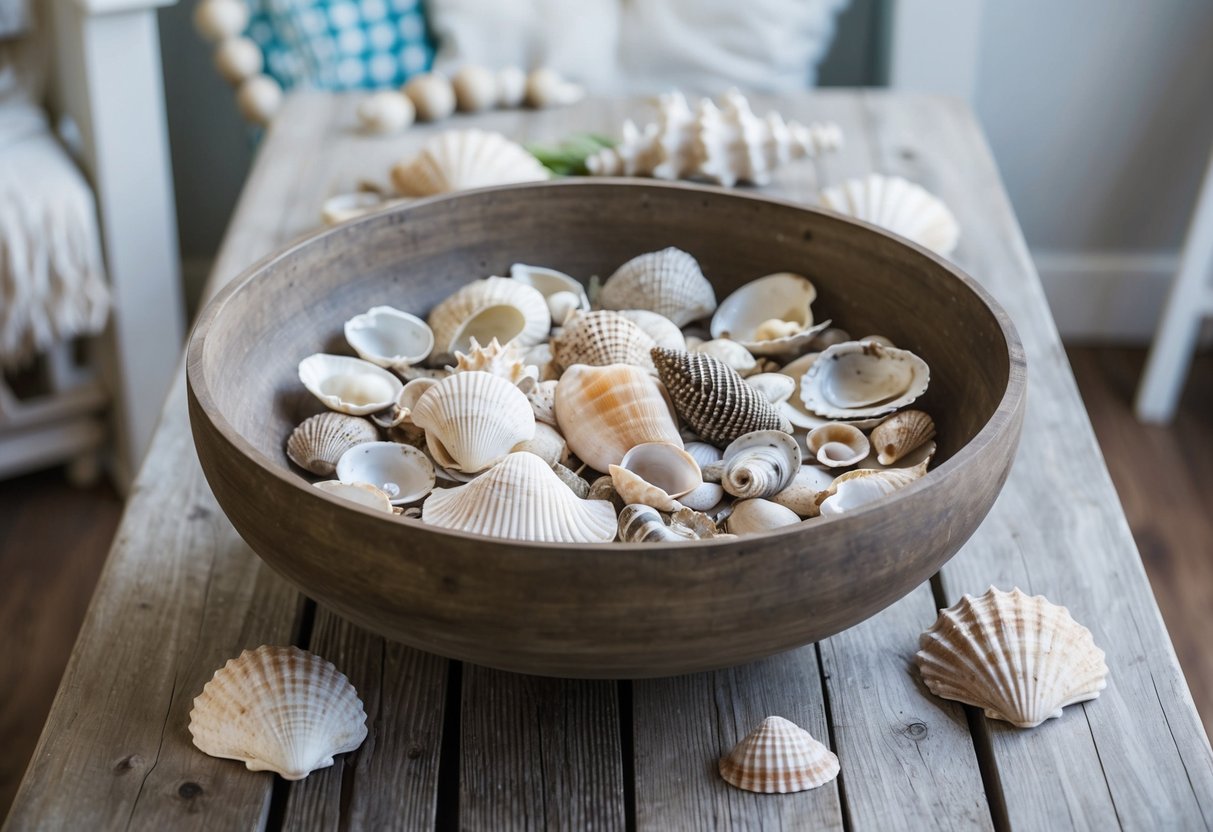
column 1085, row 770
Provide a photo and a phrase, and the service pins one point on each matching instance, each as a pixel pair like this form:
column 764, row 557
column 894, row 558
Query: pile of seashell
column 629, row 420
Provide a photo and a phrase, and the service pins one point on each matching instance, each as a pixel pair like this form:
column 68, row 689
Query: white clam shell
column 838, row 445
column 400, row 471
column 496, row 307
column 654, row 474
column 456, row 160
column 1019, row 658
column 732, row 353
column 855, row 489
column 550, row 283
column 604, row 412
column 319, row 441
column 668, row 282
column 362, row 493
column 747, row 314
column 389, row 338
column 663, row 331
column 897, row 205
column 521, row 498
column 862, row 379
column 756, row 516
column 432, row 95
column 759, row 464
column 349, row 385
column 278, row 709
column 777, row 387
column 779, row 757
column 475, row 88
column 473, row 420
column 386, row 111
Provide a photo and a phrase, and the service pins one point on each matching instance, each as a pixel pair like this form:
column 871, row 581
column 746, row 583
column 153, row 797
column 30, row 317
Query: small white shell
column 473, row 420
column 704, row 497
column 362, row 493
column 456, row 160
column 668, row 282
column 401, row 472
column 757, row 516
column 838, row 445
column 654, row 473
column 475, row 89
column 496, row 307
column 319, row 441
column 897, row 205
column 704, row 453
column 777, row 387
column 862, row 379
column 387, row 111
column 778, row 306
column 550, row 283
column 278, row 709
column 237, row 59
column 521, row 498
column 217, row 20
column 779, row 757
column 546, row 88
column 731, row 353
column 860, row 487
column 259, row 98
column 663, row 331
column 432, row 95
column 542, row 397
column 759, row 464
column 389, row 338
column 511, row 87
column 349, row 385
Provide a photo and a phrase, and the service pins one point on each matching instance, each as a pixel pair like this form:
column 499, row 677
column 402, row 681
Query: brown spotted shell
column 900, row 434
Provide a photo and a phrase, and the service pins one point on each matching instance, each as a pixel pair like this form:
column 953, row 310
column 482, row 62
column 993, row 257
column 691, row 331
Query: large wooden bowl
column 607, row 610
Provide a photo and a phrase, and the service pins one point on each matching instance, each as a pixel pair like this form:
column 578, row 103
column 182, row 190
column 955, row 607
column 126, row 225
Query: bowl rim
column 197, row 387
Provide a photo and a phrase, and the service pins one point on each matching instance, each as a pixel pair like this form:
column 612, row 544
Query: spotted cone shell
column 668, row 282
column 1018, row 657
column 779, row 757
column 278, row 709
column 601, row 338
column 713, row 399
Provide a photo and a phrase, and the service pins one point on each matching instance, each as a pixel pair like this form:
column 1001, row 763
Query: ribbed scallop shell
column 862, row 379
column 320, row 440
column 858, row 488
column 521, row 498
column 1019, row 658
column 837, row 444
column 599, row 339
column 278, row 709
column 779, row 757
column 899, row 206
column 496, row 307
column 456, row 160
column 759, row 464
column 900, row 434
column 505, row 361
column 663, row 331
column 472, row 420
column 668, row 282
column 712, row 399
column 349, row 385
column 542, row 397
column 604, row 412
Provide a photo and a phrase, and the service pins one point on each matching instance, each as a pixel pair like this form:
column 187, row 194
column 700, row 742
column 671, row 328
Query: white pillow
column 642, row 46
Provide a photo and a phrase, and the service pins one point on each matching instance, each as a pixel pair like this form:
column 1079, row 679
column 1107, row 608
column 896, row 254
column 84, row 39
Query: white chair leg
column 1190, row 300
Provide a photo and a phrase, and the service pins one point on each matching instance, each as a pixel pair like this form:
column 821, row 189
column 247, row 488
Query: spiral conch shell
column 759, row 464
column 320, row 440
column 1019, row 658
column 711, row 398
column 278, row 709
column 521, row 498
column 601, row 338
column 837, row 444
column 779, row 757
column 604, row 412
column 496, row 307
column 640, row 523
column 668, row 282
column 472, row 420
column 456, row 160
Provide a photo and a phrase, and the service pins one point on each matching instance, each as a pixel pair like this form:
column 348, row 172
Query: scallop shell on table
column 521, row 498
column 862, row 379
column 731, row 353
column 772, row 315
column 779, row 757
column 504, row 361
column 456, row 160
column 759, row 464
column 362, row 493
column 897, row 205
column 472, row 420
column 402, row 472
column 713, row 399
column 654, row 474
column 599, row 339
column 1019, row 658
column 389, row 338
column 860, row 487
column 496, row 307
column 807, row 489
column 668, row 282
column 554, row 286
column 319, row 441
column 604, row 412
column 838, row 445
column 278, row 709
column 349, row 385
column 663, row 331
column 900, row 434
column 757, row 515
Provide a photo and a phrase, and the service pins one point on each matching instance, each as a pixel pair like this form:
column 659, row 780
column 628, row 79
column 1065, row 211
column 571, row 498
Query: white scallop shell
column 732, row 353
column 654, row 474
column 521, row 498
column 837, row 444
column 599, row 339
column 604, row 412
column 864, row 485
column 473, row 420
column 663, row 331
column 400, row 471
column 349, row 385
column 505, row 361
column 278, row 709
column 668, row 282
column 319, row 441
column 779, row 757
column 759, row 464
column 552, row 285
column 433, row 97
column 496, row 307
column 1017, row 657
column 897, row 205
column 772, row 315
column 389, row 338
column 756, row 516
column 862, row 379
column 362, row 493
column 456, row 160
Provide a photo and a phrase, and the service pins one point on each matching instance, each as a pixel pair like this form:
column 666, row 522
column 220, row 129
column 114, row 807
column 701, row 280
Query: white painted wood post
column 1188, row 304
column 109, row 80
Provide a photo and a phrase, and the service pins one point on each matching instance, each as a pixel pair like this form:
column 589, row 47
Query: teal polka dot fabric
column 341, row 44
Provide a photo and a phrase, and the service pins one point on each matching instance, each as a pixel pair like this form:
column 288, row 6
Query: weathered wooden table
column 453, row 745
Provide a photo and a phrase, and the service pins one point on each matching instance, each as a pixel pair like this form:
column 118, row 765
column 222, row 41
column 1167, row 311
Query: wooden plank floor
column 53, row 541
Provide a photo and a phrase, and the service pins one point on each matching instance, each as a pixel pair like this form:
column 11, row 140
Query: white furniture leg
column 1189, row 302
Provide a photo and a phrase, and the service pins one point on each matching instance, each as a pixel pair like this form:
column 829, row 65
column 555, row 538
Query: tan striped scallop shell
column 668, row 282
column 320, row 440
column 599, row 339
column 901, row 434
column 496, row 307
column 779, row 757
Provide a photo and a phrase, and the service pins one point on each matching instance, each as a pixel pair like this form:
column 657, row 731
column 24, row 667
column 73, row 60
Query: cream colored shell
column 897, row 205
column 772, row 315
column 759, row 464
column 278, row 709
column 654, row 474
column 732, row 353
column 349, row 385
column 319, row 441
column 521, row 498
column 389, row 338
column 779, row 757
column 902, row 433
column 668, row 282
column 860, row 487
column 599, row 339
column 496, row 307
column 837, row 444
column 456, row 160
column 362, row 493
column 472, row 420
column 862, row 379
column 402, row 472
column 432, row 95
column 757, row 515
column 806, row 491
column 663, row 331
